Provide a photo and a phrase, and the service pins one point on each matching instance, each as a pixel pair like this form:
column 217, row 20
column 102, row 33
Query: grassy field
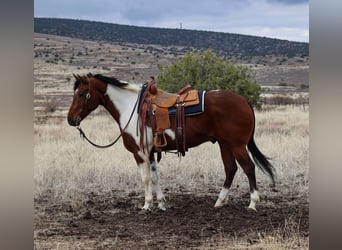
column 68, row 169
column 78, row 187
column 70, row 166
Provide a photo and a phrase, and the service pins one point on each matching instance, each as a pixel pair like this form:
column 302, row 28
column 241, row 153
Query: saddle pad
column 192, row 110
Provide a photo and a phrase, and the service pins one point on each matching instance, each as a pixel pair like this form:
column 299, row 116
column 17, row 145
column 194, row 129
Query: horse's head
column 88, row 94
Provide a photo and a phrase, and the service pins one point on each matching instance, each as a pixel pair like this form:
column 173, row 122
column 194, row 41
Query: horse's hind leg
column 230, row 168
column 248, row 167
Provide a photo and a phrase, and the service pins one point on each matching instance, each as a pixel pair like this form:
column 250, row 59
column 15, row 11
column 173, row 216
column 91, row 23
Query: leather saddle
column 164, row 99
column 158, row 103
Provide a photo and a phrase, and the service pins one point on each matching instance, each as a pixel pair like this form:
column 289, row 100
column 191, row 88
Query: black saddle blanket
column 192, row 110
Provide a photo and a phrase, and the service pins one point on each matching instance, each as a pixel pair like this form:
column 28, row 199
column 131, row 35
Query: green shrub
column 204, row 70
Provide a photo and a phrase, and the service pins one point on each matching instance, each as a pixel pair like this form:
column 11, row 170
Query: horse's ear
column 76, row 77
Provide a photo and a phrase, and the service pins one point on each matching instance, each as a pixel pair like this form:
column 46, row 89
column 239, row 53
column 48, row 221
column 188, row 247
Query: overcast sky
column 283, row 19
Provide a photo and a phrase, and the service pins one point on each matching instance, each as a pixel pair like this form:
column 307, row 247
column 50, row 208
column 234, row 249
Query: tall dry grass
column 68, row 167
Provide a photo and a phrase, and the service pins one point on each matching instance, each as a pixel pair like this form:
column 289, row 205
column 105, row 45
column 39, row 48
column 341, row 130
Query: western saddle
column 155, row 104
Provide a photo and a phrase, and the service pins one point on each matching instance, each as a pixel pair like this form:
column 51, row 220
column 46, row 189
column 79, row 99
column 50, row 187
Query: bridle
column 83, row 135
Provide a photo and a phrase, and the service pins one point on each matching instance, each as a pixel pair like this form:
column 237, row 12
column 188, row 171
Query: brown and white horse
column 228, row 119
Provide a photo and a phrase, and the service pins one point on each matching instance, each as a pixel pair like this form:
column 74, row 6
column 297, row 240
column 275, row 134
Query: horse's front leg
column 155, row 183
column 146, row 178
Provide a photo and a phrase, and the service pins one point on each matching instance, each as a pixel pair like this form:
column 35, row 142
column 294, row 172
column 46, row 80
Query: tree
column 204, row 70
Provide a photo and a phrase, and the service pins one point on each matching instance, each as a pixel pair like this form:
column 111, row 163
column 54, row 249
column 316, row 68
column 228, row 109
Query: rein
column 83, row 136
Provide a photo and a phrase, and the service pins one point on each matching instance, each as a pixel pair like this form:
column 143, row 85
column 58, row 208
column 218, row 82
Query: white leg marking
column 223, row 198
column 155, row 182
column 254, row 199
column 146, row 178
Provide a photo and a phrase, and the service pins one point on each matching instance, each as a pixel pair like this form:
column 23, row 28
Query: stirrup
column 158, row 143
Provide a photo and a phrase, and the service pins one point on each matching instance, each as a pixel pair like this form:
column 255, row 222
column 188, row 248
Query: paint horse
column 228, row 119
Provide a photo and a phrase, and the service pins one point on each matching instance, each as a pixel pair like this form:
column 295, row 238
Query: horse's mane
column 110, row 80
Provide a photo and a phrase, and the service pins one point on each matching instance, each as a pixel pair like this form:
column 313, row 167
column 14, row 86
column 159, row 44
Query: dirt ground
column 111, row 221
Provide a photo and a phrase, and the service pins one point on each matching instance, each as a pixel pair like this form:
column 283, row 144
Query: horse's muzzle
column 73, row 122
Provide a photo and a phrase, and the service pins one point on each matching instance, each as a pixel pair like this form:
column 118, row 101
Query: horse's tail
column 259, row 158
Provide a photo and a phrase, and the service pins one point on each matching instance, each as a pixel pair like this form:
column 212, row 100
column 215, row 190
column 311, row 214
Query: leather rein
column 83, row 136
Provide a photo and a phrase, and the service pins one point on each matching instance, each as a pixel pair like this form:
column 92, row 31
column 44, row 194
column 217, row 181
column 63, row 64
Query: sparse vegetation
column 206, row 71
column 77, row 187
column 50, row 104
column 285, row 100
column 223, row 43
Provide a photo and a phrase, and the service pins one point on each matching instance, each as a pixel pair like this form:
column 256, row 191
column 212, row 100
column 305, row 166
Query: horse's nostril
column 71, row 122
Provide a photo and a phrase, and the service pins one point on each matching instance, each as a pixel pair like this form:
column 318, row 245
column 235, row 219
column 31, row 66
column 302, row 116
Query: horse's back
column 225, row 101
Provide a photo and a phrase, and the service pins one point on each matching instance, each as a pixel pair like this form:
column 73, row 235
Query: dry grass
column 69, row 166
column 287, row 236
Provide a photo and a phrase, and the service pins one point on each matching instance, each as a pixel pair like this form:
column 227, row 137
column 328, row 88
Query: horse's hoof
column 252, row 208
column 148, row 205
column 162, row 208
column 161, row 204
column 146, row 208
column 220, row 203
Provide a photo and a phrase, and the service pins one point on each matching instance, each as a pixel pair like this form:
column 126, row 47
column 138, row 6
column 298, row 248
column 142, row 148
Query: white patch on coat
column 124, row 100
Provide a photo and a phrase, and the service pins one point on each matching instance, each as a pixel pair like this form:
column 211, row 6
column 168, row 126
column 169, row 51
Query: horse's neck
column 124, row 101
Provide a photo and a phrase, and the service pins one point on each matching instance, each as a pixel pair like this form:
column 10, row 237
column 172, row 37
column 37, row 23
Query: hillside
column 56, row 58
column 224, row 44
